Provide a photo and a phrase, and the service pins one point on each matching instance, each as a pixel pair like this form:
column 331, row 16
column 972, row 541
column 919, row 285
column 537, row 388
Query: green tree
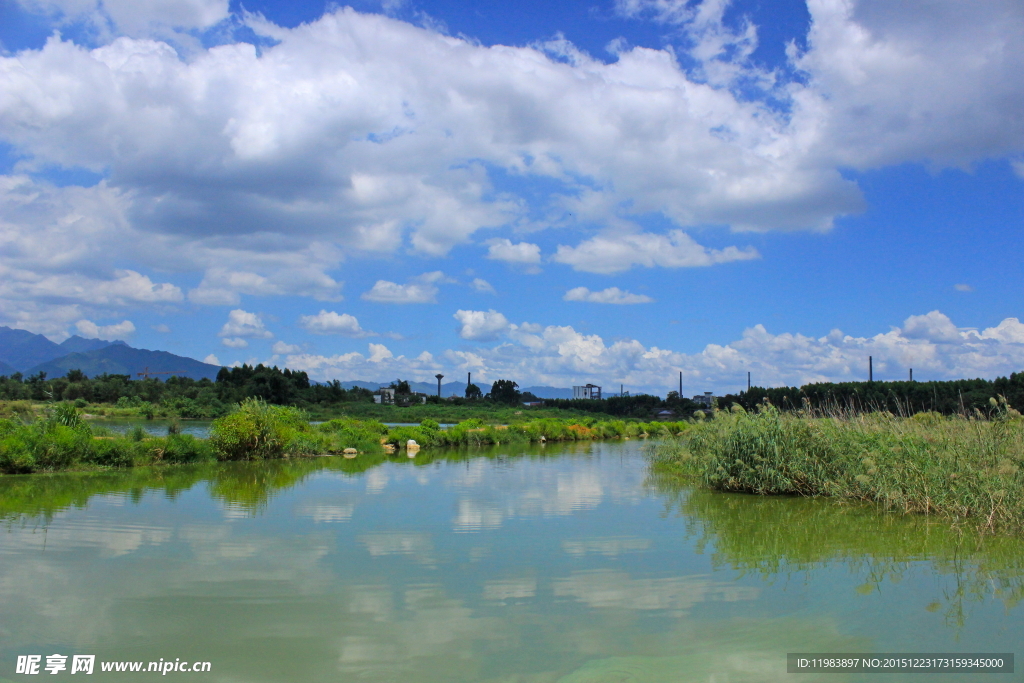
column 505, row 391
column 473, row 392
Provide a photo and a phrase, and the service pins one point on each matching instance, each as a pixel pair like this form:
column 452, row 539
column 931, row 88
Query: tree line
column 960, row 396
column 187, row 397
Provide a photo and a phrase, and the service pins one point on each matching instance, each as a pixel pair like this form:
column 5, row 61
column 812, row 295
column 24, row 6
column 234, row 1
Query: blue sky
column 612, row 191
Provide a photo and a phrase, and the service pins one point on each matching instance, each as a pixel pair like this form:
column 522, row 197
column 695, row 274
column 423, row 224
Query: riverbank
column 62, row 439
column 485, row 411
column 969, row 470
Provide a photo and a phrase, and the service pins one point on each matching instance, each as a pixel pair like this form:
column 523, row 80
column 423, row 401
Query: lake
column 536, row 564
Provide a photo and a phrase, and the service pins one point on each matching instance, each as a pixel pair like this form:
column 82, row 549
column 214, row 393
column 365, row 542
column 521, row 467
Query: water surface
column 523, row 564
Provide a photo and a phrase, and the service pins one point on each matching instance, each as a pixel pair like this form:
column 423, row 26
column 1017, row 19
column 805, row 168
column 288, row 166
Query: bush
column 16, row 454
column 256, row 431
column 115, row 452
column 186, row 448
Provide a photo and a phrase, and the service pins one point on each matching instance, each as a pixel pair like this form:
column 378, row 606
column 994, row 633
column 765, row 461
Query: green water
column 568, row 564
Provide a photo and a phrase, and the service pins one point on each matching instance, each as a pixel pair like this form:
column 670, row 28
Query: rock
column 411, row 447
column 350, row 453
column 389, row 448
column 543, row 438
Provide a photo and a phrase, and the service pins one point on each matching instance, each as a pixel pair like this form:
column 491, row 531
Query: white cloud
column 521, row 253
column 561, row 356
column 612, row 295
column 675, row 250
column 244, row 324
column 481, row 325
column 91, row 330
column 329, row 322
column 963, row 288
column 934, row 326
column 234, row 343
column 481, row 285
column 280, row 347
column 262, row 170
column 161, row 328
column 422, row 290
column 159, row 18
column 212, row 360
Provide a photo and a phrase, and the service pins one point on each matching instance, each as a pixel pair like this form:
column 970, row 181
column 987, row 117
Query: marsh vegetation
column 967, row 468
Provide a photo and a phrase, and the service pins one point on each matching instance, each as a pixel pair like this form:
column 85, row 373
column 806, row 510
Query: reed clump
column 968, row 468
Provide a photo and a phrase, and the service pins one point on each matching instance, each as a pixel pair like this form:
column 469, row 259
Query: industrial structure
column 587, row 391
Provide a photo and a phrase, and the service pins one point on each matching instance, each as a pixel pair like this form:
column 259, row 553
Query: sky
column 605, row 191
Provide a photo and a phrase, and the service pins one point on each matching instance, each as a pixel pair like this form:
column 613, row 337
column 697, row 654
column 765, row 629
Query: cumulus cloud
column 329, row 322
column 422, row 290
column 612, row 295
column 482, row 286
column 262, row 170
column 557, row 355
column 481, row 325
column 244, row 324
column 212, row 360
column 91, row 330
column 280, row 347
column 133, row 17
column 676, row 250
column 963, row 288
column 234, row 343
column 521, row 253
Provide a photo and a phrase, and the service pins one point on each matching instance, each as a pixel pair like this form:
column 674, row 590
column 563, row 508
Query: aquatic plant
column 958, row 467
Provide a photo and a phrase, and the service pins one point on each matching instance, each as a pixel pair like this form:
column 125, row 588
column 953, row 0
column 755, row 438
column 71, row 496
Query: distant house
column 533, row 404
column 384, row 395
column 707, row 400
column 587, row 391
column 665, row 416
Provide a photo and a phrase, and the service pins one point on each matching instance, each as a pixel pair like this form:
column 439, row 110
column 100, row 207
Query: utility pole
column 439, row 377
column 871, row 370
column 680, row 384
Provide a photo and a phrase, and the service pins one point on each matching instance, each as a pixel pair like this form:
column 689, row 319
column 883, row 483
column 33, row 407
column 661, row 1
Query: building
column 587, row 391
column 384, row 395
column 707, row 400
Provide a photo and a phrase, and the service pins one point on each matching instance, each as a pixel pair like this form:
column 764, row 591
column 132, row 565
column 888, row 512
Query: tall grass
column 966, row 468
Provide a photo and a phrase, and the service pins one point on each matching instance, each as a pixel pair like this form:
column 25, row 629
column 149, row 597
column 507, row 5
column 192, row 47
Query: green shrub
column 67, row 415
column 257, row 431
column 136, row 434
column 117, row 452
column 186, row 448
column 16, row 454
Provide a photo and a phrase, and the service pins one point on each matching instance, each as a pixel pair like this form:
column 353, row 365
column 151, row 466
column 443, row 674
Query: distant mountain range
column 29, row 354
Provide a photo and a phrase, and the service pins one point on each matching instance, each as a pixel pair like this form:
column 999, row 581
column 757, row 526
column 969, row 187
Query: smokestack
column 911, row 374
column 748, row 380
column 871, row 370
column 680, row 384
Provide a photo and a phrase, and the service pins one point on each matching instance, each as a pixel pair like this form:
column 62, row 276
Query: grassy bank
column 966, row 469
column 61, row 439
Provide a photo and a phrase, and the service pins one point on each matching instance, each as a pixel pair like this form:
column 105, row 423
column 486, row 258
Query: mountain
column 22, row 350
column 6, row 370
column 76, row 344
column 121, row 359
